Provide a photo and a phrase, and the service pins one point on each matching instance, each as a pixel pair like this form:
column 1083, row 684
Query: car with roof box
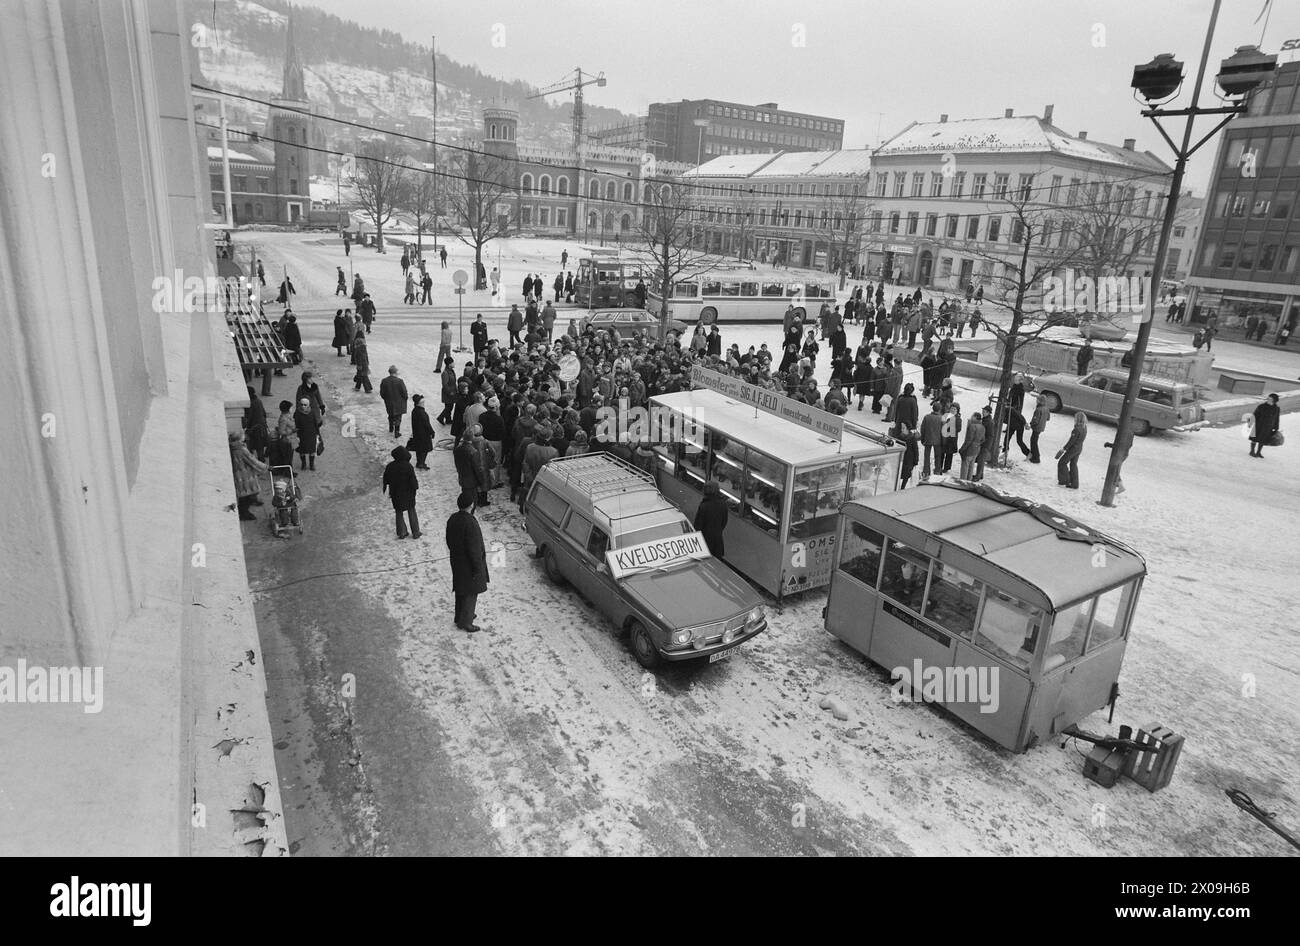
column 601, row 525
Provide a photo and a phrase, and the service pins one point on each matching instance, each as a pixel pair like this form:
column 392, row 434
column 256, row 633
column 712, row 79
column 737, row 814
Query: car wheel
column 708, row 315
column 643, row 647
column 1053, row 402
column 1141, row 427
column 552, row 567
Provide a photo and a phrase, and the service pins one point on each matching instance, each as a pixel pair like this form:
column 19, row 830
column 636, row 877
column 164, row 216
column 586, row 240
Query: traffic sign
column 460, row 290
column 460, row 277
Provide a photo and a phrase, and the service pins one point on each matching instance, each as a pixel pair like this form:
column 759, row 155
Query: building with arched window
column 596, row 201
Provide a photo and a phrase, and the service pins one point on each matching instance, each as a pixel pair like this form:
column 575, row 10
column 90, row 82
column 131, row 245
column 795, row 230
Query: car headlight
column 754, row 616
column 681, row 637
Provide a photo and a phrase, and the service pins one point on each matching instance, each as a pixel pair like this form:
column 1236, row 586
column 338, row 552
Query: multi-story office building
column 949, row 200
column 696, row 130
column 1248, row 260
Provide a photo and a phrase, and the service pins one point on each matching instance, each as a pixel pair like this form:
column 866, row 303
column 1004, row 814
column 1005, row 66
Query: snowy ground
column 562, row 745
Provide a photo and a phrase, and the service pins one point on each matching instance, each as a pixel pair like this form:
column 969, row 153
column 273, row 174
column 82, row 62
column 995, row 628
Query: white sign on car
column 656, row 552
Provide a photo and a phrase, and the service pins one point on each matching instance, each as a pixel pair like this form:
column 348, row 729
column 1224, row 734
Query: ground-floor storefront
column 1268, row 313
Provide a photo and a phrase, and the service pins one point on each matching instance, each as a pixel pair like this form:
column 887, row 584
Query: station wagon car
column 602, row 526
column 1161, row 403
column 625, row 323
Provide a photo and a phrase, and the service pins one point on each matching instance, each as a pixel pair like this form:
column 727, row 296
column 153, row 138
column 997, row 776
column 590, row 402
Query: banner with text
column 656, row 552
column 778, row 405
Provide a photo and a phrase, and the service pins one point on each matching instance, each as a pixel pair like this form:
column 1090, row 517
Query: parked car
column 602, row 526
column 625, row 323
column 1161, row 403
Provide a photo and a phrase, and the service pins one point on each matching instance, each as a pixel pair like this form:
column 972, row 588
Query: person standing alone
column 393, row 390
column 1267, row 420
column 1067, row 467
column 469, row 571
column 711, row 518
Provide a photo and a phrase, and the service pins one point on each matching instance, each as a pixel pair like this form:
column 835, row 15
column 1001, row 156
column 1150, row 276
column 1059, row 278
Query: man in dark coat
column 366, row 311
column 906, row 412
column 469, row 571
column 421, row 432
column 1085, row 357
column 478, row 330
column 711, row 518
column 340, row 341
column 1268, row 417
column 400, row 482
column 515, row 325
column 393, row 391
column 528, row 287
column 291, row 335
column 426, row 287
column 469, row 469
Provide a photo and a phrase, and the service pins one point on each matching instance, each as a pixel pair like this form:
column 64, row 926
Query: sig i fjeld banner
column 778, row 405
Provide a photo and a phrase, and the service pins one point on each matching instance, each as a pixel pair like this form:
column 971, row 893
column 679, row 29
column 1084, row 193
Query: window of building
column 893, row 222
column 918, row 184
column 1289, row 257
column 1000, row 186
column 931, row 224
column 882, row 182
column 945, row 267
column 1267, row 258
column 1228, row 258
column 959, row 184
column 1017, row 230
column 526, row 216
column 611, row 190
column 562, row 186
column 950, row 229
column 979, row 186
column 239, row 183
column 1282, row 202
column 1246, row 257
column 257, row 210
column 264, row 185
column 877, row 218
column 1075, row 185
column 900, row 181
column 1026, row 186
column 995, row 227
column 936, row 184
column 972, row 228
column 561, row 216
column 1054, row 192
column 544, row 184
column 798, row 217
column 1261, row 208
column 293, row 185
column 913, row 220
column 526, row 183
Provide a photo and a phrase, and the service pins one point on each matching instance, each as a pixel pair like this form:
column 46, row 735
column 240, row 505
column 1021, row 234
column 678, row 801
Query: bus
column 745, row 295
column 605, row 283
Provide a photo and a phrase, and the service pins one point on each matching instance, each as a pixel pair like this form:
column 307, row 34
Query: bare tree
column 743, row 212
column 1039, row 251
column 420, row 202
column 665, row 231
column 478, row 197
column 381, row 181
column 1111, row 242
column 841, row 225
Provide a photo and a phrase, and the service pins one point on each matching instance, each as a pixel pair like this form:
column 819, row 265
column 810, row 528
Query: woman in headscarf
column 246, row 469
column 310, row 390
column 340, row 333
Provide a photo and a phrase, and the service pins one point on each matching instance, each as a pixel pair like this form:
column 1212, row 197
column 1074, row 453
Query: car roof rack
column 601, row 474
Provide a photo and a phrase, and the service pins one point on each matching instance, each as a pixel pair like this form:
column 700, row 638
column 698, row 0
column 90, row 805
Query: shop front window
column 954, row 600
column 860, row 550
column 729, row 469
column 906, row 570
column 1008, row 628
column 764, row 491
column 693, row 459
column 816, row 500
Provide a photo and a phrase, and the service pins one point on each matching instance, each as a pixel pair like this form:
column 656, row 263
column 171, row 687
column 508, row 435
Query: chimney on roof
column 943, row 118
column 1130, row 144
column 1083, row 136
column 1047, row 114
column 1009, row 113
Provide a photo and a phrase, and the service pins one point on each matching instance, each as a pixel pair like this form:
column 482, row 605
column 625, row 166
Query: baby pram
column 284, row 501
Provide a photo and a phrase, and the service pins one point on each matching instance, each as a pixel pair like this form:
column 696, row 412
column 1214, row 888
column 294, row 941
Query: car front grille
column 705, row 635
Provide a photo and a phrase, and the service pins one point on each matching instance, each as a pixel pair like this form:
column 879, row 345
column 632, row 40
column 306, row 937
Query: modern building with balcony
column 1248, row 260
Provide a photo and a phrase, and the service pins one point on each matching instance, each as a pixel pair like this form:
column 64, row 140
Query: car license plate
column 721, row 655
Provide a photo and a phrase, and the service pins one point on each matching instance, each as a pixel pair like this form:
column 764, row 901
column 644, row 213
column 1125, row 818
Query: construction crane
column 574, row 83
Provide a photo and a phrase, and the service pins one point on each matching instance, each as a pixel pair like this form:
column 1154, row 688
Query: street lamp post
column 1159, row 80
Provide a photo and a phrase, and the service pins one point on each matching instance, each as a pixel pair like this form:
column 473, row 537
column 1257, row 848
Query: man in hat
column 400, row 482
column 393, row 391
column 469, row 571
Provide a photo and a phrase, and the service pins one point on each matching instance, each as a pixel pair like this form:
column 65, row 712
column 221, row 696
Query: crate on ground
column 1154, row 770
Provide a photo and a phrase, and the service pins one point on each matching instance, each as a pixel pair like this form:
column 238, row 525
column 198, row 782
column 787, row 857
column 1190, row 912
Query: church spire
column 295, row 88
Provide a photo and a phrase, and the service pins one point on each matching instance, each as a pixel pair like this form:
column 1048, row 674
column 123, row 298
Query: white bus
column 746, row 295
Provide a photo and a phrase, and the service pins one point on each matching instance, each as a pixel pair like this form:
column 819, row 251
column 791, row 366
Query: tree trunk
column 478, row 263
column 379, row 237
column 1009, row 356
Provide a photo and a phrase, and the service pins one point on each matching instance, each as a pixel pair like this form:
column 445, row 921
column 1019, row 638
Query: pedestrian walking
column 340, row 340
column 310, row 390
column 341, row 289
column 1067, row 467
column 448, row 390
column 246, row 469
column 515, row 324
column 261, row 274
column 951, row 433
column 366, row 312
column 973, row 446
column 1268, row 418
column 469, row 571
column 361, row 358
column 932, row 439
column 444, row 342
column 1037, row 424
column 401, row 484
column 558, row 286
column 442, row 255
column 1084, row 358
column 426, row 285
column 406, row 261
column 393, row 390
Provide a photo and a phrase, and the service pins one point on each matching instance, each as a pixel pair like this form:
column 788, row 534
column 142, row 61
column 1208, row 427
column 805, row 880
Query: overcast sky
column 877, row 64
